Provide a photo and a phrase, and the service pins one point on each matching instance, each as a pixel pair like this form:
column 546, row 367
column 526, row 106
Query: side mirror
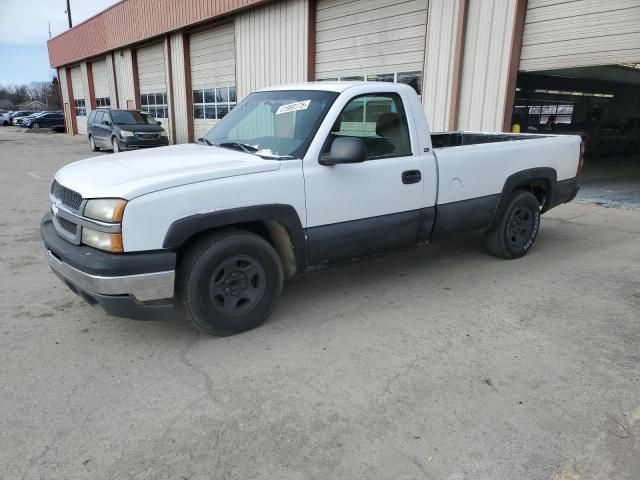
column 159, row 123
column 106, row 122
column 345, row 150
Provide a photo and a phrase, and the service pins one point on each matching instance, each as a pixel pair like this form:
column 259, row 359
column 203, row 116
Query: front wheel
column 36, row 126
column 229, row 282
column 517, row 228
column 115, row 145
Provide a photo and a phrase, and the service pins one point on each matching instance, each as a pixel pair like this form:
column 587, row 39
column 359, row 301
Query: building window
column 533, row 115
column 103, row 102
column 213, row 103
column 81, row 111
column 155, row 104
column 413, row 79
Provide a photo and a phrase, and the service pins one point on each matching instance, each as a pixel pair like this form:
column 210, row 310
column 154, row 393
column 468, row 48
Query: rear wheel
column 517, row 229
column 229, row 282
column 92, row 144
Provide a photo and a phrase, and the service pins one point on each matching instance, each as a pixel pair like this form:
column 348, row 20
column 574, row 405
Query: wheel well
column 273, row 232
column 540, row 187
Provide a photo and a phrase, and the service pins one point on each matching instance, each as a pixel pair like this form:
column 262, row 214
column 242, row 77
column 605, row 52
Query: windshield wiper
column 205, row 140
column 238, row 146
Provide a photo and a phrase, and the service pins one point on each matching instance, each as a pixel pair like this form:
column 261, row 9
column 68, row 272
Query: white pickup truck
column 293, row 179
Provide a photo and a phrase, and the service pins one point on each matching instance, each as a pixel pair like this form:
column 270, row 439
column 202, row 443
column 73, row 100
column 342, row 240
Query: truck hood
column 131, row 174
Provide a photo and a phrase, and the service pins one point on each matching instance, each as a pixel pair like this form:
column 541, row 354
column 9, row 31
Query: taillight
column 580, row 160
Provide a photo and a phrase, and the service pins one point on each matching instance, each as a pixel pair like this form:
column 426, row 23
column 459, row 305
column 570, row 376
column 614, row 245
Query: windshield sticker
column 293, row 107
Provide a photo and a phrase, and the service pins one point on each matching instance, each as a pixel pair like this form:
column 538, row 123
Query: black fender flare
column 183, row 229
column 547, row 173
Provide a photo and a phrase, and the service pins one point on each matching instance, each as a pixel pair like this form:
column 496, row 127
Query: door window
column 380, row 121
column 98, row 118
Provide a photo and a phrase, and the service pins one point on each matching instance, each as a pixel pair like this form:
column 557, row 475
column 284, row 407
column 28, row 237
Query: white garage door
column 213, row 76
column 152, row 81
column 580, row 33
column 79, row 108
column 101, row 83
column 379, row 39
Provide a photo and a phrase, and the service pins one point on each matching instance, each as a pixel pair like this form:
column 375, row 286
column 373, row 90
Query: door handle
column 411, row 176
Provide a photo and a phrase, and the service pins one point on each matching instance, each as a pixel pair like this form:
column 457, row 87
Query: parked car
column 293, row 179
column 121, row 130
column 46, row 120
column 5, row 119
column 17, row 118
column 8, row 119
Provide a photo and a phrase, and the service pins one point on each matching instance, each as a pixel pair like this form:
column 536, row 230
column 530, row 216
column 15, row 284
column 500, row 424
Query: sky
column 24, row 32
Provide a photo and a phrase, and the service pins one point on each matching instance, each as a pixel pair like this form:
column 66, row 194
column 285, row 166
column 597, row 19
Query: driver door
column 360, row 209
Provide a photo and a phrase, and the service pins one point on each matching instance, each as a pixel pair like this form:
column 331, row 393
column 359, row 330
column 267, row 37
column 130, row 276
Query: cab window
column 380, row 121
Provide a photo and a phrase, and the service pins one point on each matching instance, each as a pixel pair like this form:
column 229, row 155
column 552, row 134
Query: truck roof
column 332, row 86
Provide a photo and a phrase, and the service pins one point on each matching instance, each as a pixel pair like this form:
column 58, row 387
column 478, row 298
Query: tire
column 517, row 228
column 5, row 123
column 229, row 282
column 92, row 144
column 115, row 146
column 35, row 126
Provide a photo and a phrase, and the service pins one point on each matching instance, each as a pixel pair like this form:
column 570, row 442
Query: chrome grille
column 67, row 196
column 70, row 227
column 147, row 136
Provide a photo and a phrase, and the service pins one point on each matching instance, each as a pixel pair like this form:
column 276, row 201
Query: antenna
column 49, row 23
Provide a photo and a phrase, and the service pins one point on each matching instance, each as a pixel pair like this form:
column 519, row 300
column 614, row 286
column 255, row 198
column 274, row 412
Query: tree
column 42, row 91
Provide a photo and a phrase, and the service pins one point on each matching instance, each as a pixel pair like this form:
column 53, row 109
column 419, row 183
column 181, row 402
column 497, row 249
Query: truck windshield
column 277, row 124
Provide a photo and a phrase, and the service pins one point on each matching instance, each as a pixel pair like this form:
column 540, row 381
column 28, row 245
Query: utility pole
column 68, row 12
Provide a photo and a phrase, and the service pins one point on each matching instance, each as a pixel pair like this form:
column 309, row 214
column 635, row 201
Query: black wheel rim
column 238, row 284
column 521, row 225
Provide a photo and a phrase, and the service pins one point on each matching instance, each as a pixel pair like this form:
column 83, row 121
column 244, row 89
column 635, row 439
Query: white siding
column 82, row 121
column 124, row 77
column 485, row 66
column 180, row 114
column 442, row 33
column 372, row 37
column 167, row 124
column 100, row 79
column 271, row 45
column 151, row 70
column 580, row 33
column 111, row 81
column 66, row 107
column 213, row 64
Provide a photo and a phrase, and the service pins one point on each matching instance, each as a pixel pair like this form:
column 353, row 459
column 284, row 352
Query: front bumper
column 136, row 285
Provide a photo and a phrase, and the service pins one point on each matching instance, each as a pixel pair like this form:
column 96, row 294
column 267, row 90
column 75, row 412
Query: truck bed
column 458, row 139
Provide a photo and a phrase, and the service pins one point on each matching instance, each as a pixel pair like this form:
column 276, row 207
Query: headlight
column 163, row 134
column 110, row 242
column 126, row 133
column 105, row 209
